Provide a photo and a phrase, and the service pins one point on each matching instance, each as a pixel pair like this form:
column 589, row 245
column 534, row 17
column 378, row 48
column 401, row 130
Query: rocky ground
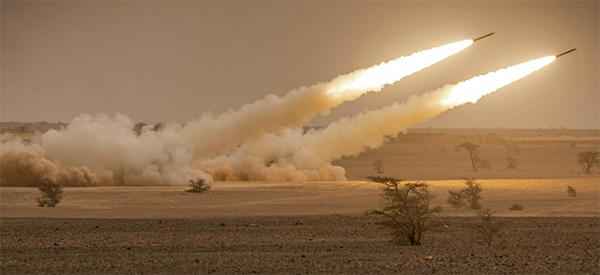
column 292, row 245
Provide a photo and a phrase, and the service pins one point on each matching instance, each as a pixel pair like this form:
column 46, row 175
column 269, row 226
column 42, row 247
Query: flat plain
column 320, row 227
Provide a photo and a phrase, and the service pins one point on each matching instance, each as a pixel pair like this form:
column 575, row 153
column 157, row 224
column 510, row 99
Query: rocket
column 561, row 54
column 482, row 37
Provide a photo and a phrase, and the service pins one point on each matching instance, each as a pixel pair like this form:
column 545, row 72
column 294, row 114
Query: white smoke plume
column 104, row 150
column 307, row 156
column 109, row 146
column 211, row 136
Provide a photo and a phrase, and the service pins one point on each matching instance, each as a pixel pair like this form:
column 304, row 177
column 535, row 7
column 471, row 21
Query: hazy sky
column 174, row 61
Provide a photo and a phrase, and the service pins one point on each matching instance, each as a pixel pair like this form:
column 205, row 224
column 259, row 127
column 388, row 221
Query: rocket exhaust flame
column 307, row 156
column 104, row 150
column 474, row 88
column 374, row 78
column 211, row 136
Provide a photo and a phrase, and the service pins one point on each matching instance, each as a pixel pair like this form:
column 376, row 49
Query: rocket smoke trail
column 217, row 135
column 308, row 156
column 103, row 150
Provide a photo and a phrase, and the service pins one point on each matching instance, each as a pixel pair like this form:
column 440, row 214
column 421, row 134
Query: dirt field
column 320, row 227
column 322, row 244
column 287, row 228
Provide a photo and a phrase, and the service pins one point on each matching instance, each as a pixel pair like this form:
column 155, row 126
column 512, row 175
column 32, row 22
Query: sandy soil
column 311, row 227
column 541, row 197
column 320, row 227
column 322, row 244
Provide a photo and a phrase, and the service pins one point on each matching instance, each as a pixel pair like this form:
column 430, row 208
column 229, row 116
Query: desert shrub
column 487, row 226
column 437, row 209
column 472, row 193
column 572, row 192
column 513, row 163
column 405, row 209
column 588, row 160
column 378, row 166
column 516, row 207
column 198, row 185
column 456, row 199
column 51, row 194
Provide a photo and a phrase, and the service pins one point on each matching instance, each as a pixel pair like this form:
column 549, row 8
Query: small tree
column 589, row 160
column 513, row 163
column 378, row 166
column 51, row 194
column 487, row 226
column 473, row 150
column 406, row 209
column 456, row 199
column 198, row 185
column 472, row 193
column 571, row 191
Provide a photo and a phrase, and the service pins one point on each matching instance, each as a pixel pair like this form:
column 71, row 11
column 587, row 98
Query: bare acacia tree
column 487, row 226
column 589, row 160
column 472, row 193
column 378, row 166
column 473, row 150
column 406, row 209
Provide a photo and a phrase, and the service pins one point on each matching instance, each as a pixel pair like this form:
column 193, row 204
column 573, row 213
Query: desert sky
column 174, row 61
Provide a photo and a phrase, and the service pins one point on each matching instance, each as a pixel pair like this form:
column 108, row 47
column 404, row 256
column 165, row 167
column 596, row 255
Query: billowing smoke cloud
column 109, row 146
column 102, row 150
column 307, row 156
column 211, row 136
column 24, row 164
column 105, row 150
